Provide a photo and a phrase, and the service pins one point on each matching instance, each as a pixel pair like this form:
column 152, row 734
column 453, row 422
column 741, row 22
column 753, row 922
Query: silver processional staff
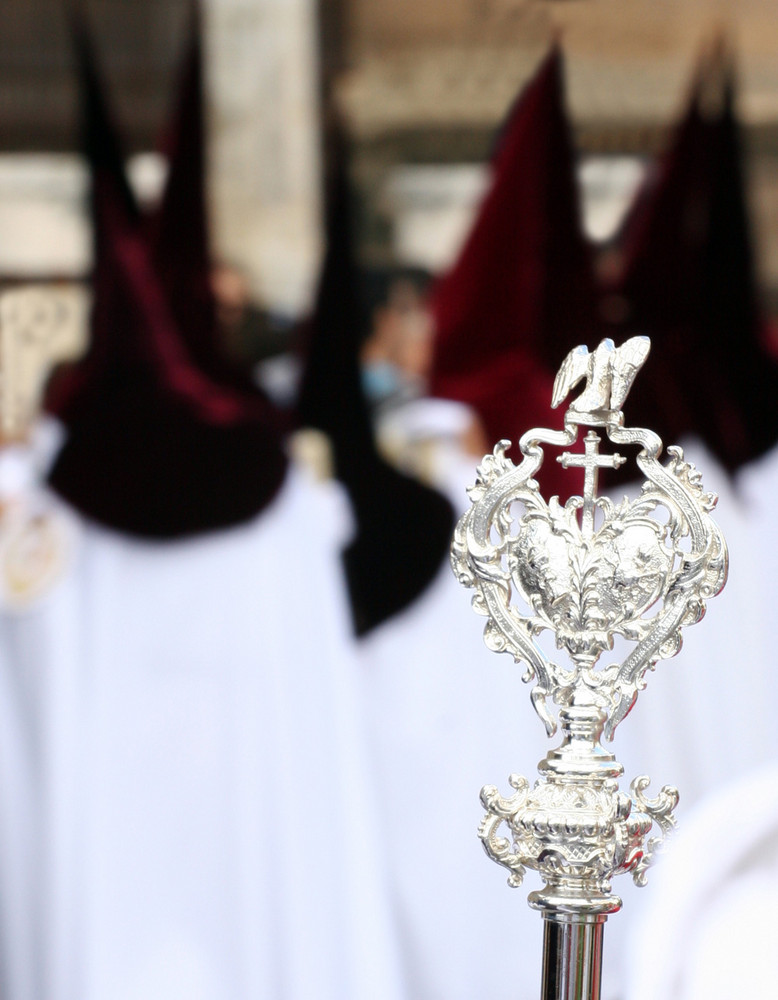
column 587, row 572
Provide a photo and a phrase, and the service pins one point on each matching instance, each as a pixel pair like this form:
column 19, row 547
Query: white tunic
column 185, row 811
column 704, row 929
column 448, row 716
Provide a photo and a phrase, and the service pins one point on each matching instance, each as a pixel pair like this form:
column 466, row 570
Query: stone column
column 264, row 144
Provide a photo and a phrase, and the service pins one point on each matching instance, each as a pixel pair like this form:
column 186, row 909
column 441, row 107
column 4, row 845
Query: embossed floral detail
column 574, row 831
column 588, row 589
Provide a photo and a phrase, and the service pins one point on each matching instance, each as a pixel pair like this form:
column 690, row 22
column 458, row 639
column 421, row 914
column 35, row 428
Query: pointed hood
column 155, row 448
column 522, row 290
column 178, row 229
column 102, row 149
column 99, row 138
column 688, row 282
column 403, row 529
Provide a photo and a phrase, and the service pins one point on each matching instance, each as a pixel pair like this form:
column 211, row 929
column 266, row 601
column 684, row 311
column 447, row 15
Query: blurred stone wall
column 429, row 82
column 424, row 83
column 263, row 142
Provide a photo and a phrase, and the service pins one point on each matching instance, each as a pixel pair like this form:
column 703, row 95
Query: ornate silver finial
column 587, row 572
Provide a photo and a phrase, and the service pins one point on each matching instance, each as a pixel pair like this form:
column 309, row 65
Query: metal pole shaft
column 572, row 957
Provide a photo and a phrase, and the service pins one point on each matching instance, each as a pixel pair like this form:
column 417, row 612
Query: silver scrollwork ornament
column 587, row 571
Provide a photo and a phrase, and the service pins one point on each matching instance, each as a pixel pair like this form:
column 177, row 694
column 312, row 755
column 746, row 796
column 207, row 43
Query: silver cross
column 591, row 462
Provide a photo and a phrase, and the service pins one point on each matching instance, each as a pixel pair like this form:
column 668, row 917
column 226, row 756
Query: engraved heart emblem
column 587, row 588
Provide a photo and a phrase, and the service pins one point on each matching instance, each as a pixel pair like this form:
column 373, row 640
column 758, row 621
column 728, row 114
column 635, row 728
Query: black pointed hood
column 403, row 528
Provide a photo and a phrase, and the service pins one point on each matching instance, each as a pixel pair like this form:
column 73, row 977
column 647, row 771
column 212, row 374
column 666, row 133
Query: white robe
column 708, row 913
column 706, row 930
column 184, row 807
column 448, row 716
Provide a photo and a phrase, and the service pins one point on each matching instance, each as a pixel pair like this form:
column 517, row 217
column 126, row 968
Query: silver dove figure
column 609, row 373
